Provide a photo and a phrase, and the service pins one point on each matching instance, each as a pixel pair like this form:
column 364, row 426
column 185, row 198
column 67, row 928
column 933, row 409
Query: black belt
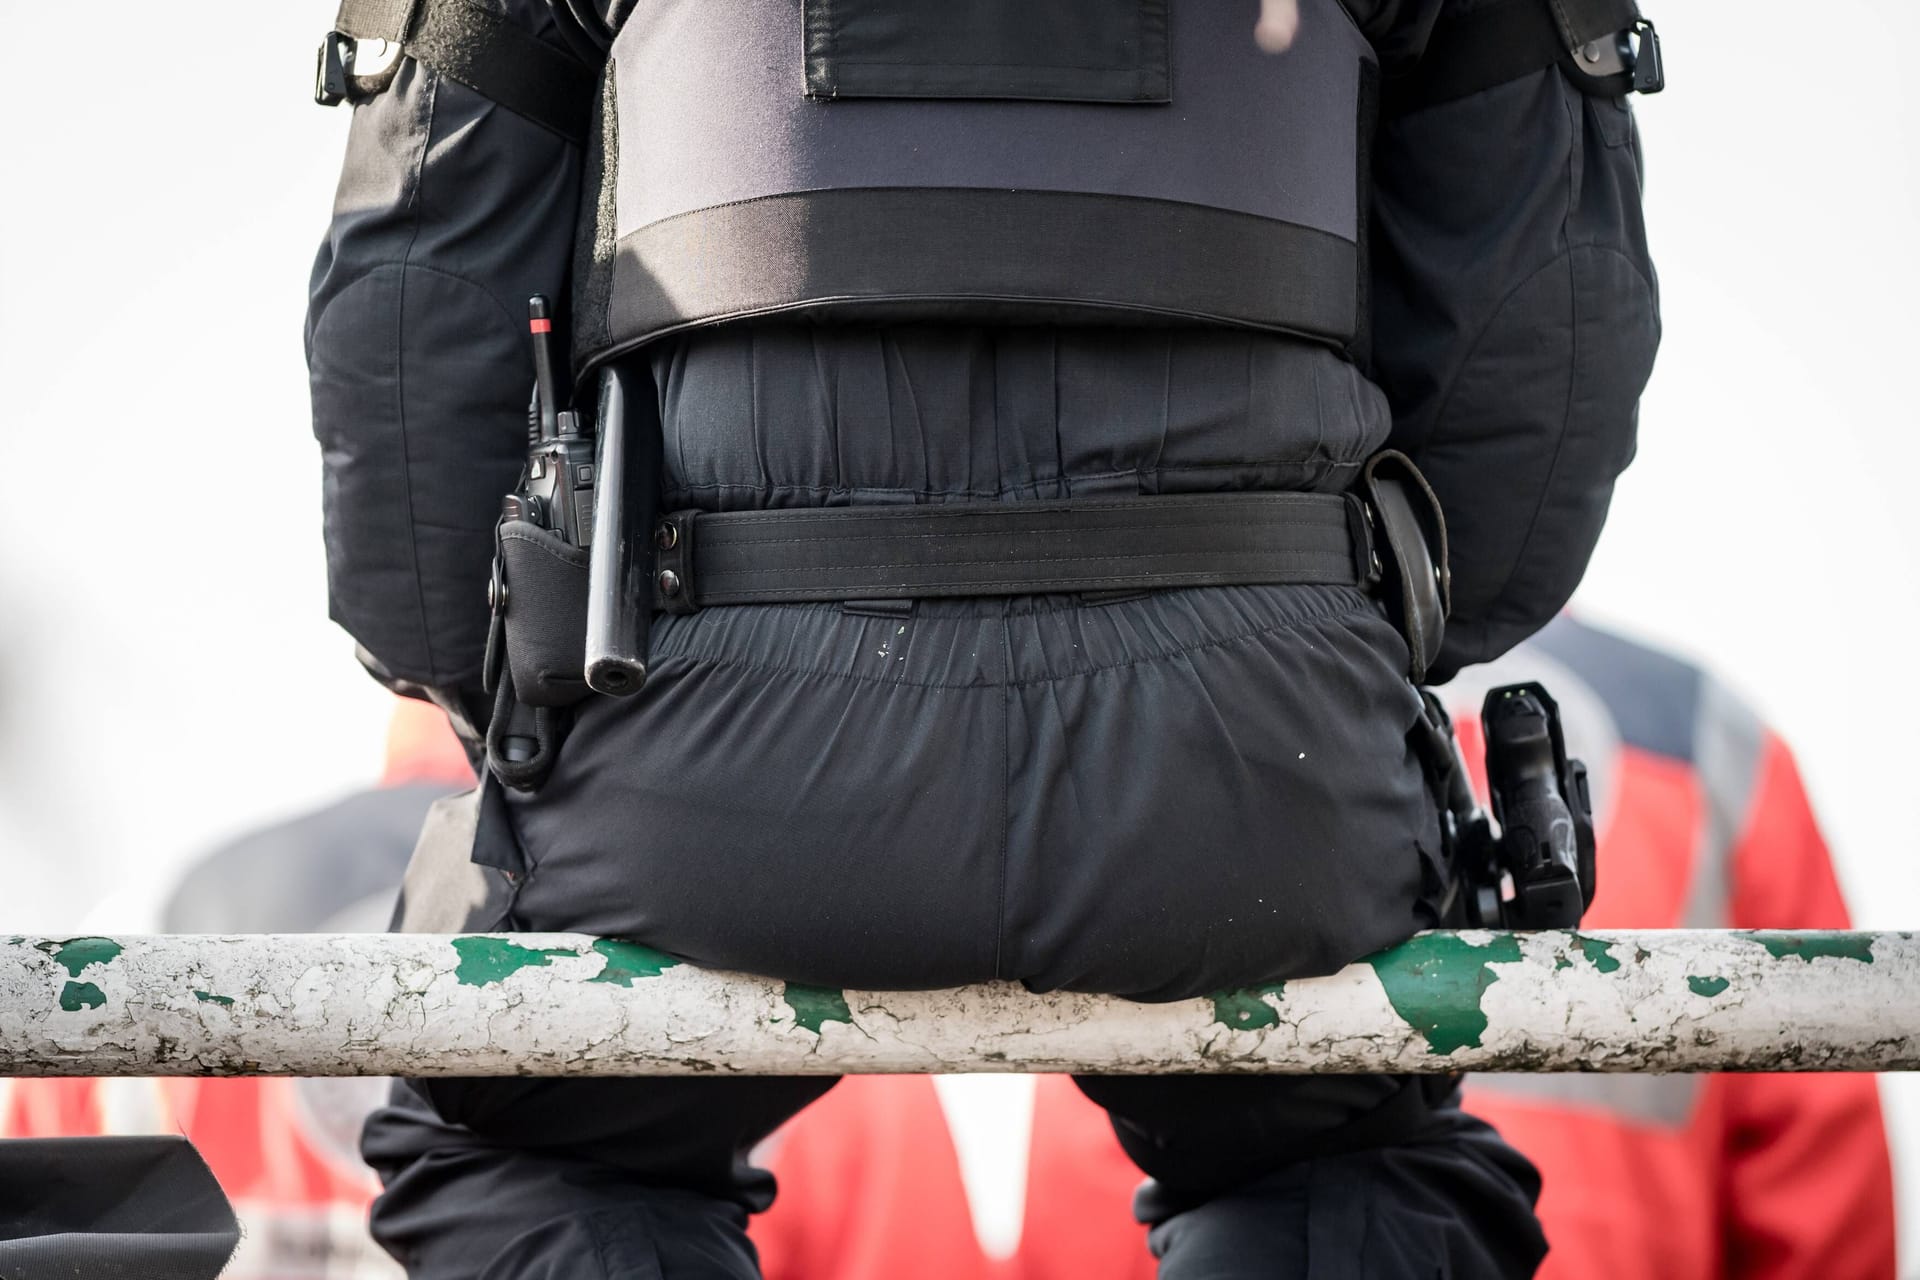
column 1027, row 548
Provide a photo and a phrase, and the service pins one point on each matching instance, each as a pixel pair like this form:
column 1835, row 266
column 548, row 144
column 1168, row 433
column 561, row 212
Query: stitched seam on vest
column 1026, row 191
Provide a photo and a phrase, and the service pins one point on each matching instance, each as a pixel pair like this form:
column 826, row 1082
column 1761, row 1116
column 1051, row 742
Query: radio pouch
column 544, row 614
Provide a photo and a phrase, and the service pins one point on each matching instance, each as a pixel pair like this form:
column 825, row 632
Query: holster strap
column 1419, row 586
column 1080, row 545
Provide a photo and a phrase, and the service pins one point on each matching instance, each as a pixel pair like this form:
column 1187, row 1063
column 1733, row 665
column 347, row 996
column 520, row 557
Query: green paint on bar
column 1816, row 946
column 488, row 960
column 1246, row 1009
column 813, row 1007
column 629, row 960
column 75, row 954
column 76, row 996
column 1435, row 983
column 207, row 997
column 1598, row 951
column 1708, row 987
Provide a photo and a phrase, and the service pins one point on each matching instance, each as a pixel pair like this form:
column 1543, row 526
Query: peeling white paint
column 561, row 1004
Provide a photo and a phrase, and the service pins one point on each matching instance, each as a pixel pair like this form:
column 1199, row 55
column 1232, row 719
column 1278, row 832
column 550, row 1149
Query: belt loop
column 674, row 589
column 878, row 608
column 1094, row 599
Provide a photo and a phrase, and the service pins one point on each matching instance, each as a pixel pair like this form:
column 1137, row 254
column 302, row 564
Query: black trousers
column 1159, row 797
column 1261, row 1178
column 107, row 1207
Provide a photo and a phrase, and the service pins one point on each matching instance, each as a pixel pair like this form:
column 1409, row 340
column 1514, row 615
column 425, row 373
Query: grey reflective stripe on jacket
column 1727, row 743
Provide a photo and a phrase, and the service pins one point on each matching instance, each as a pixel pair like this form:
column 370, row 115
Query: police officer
column 1033, row 600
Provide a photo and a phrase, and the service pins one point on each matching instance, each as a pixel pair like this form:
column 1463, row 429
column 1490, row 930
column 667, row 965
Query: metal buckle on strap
column 333, row 77
column 1628, row 61
column 1649, row 71
column 345, row 73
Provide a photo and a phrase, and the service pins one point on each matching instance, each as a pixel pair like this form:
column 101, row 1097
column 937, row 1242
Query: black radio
column 556, row 488
column 541, row 545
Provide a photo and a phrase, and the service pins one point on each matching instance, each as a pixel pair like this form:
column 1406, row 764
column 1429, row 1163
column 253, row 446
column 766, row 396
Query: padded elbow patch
column 416, row 375
column 1560, row 364
column 1517, row 317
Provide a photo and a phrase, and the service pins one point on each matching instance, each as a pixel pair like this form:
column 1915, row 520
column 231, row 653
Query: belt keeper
column 1367, row 570
column 674, row 590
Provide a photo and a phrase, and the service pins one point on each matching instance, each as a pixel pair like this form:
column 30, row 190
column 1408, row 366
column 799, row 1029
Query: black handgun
column 1539, row 872
column 1541, row 800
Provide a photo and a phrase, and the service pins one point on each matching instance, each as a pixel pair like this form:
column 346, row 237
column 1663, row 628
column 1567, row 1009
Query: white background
column 167, row 675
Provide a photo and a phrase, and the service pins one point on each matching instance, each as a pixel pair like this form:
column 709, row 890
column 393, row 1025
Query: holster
column 1417, row 582
column 539, row 600
column 543, row 614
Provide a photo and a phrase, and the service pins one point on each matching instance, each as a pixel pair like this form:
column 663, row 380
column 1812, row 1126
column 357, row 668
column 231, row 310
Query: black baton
column 619, row 567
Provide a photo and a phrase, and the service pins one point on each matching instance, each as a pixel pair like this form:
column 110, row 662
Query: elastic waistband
column 992, row 642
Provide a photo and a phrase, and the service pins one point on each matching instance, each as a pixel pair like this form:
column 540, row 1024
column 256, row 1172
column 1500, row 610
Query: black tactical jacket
column 1514, row 323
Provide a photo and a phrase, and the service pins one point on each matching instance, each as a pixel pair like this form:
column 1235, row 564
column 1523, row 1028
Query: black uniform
column 1156, row 796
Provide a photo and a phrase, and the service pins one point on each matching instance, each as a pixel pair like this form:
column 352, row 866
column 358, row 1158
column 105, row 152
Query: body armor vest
column 1000, row 160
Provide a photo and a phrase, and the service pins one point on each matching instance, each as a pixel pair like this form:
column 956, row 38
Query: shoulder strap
column 484, row 52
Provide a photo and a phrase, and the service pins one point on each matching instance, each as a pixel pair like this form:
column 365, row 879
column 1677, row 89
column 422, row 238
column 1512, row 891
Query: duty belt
column 571, row 619
column 1388, row 534
column 1096, row 545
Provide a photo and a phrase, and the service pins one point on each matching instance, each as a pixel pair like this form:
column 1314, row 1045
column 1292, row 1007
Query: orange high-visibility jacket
column 1703, row 823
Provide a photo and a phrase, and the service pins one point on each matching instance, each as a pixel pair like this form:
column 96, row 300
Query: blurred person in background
column 1703, row 824
column 285, row 1150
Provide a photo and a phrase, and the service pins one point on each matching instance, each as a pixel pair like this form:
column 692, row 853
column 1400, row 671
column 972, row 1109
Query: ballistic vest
column 1005, row 161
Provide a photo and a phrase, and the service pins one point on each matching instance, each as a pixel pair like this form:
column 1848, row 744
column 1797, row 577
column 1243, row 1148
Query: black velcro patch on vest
column 1056, row 50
